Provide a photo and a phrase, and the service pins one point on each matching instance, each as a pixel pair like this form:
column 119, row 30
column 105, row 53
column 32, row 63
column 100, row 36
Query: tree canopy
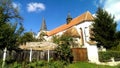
column 27, row 37
column 10, row 25
column 104, row 29
column 63, row 50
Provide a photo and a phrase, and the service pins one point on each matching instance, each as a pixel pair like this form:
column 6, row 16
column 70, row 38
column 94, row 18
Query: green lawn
column 89, row 65
column 56, row 64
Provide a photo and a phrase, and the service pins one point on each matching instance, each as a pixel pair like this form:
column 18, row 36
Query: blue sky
column 55, row 11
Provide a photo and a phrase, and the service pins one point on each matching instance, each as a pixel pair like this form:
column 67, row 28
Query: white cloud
column 113, row 7
column 33, row 7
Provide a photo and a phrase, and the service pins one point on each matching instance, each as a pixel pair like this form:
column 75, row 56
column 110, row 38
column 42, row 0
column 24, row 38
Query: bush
column 45, row 64
column 117, row 48
column 13, row 65
column 63, row 51
column 106, row 56
column 16, row 65
column 1, row 61
column 56, row 64
column 37, row 64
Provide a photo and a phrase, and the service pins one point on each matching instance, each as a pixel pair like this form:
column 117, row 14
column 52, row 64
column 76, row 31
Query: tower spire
column 43, row 26
column 69, row 18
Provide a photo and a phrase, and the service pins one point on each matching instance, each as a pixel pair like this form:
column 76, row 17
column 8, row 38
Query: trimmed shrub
column 106, row 56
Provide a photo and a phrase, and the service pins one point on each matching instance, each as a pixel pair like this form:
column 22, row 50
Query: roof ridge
column 86, row 14
column 82, row 15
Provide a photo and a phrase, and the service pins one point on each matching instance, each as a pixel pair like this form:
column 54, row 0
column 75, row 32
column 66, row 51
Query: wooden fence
column 79, row 54
column 23, row 55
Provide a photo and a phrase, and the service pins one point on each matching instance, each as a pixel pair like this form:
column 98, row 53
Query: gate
column 79, row 54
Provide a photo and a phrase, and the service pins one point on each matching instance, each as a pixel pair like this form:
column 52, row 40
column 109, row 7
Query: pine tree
column 104, row 29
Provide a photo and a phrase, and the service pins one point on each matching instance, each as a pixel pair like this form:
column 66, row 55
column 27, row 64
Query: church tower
column 43, row 26
column 69, row 18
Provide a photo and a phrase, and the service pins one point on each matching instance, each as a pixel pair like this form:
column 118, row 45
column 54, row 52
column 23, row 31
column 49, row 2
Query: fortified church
column 79, row 28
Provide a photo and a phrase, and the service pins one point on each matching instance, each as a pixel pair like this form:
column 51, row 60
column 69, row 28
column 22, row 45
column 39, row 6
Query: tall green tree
column 10, row 25
column 118, row 36
column 104, row 29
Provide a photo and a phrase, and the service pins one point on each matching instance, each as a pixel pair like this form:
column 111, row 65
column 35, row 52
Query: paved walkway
column 108, row 63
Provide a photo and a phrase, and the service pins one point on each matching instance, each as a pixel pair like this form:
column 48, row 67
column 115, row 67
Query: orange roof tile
column 84, row 17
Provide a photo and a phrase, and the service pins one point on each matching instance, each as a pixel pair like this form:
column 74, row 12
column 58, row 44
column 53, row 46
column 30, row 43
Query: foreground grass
column 56, row 64
column 89, row 65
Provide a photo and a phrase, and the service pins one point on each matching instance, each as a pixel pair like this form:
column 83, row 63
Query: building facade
column 79, row 28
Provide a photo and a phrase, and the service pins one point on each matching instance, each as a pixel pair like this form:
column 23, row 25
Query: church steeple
column 43, row 26
column 69, row 18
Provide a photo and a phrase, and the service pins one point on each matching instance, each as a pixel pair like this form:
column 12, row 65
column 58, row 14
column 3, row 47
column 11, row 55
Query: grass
column 88, row 65
column 57, row 64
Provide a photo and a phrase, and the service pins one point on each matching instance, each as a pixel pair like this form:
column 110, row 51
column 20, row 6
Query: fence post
column 4, row 57
column 48, row 55
column 30, row 58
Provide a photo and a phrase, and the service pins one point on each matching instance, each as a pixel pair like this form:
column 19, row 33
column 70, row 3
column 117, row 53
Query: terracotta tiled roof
column 84, row 17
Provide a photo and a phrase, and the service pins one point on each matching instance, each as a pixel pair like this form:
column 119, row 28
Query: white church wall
column 85, row 28
column 37, row 35
column 92, row 52
column 47, row 38
column 87, row 34
column 78, row 41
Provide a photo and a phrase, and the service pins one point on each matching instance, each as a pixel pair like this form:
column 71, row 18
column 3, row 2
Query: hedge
column 106, row 56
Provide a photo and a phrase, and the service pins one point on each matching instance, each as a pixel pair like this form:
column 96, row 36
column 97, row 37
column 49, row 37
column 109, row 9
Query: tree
column 8, row 12
column 63, row 50
column 118, row 36
column 10, row 25
column 27, row 37
column 104, row 29
column 9, row 35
